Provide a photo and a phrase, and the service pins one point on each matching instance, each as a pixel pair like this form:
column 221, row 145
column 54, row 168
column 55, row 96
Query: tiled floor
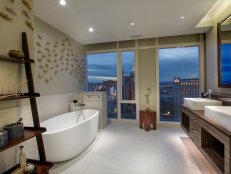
column 127, row 149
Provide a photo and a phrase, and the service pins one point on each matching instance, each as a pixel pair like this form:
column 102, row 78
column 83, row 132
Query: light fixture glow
column 132, row 23
column 182, row 17
column 62, row 2
column 91, row 29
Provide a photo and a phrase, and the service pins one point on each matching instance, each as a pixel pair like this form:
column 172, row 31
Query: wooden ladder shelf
column 42, row 165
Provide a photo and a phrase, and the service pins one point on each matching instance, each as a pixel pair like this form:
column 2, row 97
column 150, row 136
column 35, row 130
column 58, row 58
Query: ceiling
column 111, row 18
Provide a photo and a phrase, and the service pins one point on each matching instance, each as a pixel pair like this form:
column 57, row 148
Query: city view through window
column 179, row 78
column 102, row 76
column 226, row 65
column 128, row 110
column 178, row 74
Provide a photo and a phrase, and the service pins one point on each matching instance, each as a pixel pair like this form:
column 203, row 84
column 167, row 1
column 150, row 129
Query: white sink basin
column 199, row 103
column 220, row 115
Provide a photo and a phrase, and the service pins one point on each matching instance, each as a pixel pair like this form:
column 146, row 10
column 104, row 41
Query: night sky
column 173, row 62
column 103, row 66
column 178, row 62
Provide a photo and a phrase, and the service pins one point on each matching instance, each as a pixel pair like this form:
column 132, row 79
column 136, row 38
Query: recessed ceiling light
column 132, row 23
column 182, row 17
column 62, row 2
column 91, row 29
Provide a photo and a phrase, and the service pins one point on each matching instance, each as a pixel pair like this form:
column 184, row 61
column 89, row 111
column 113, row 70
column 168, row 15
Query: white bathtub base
column 67, row 143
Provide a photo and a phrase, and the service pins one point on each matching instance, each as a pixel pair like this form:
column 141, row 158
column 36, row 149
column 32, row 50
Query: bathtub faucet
column 209, row 91
column 80, row 111
column 80, row 114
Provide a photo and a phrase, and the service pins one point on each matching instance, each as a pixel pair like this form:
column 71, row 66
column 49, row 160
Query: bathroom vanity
column 212, row 139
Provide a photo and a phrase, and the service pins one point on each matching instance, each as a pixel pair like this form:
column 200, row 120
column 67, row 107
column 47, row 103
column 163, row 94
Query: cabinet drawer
column 195, row 134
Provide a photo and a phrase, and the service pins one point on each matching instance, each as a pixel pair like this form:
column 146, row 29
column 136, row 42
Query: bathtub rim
column 68, row 128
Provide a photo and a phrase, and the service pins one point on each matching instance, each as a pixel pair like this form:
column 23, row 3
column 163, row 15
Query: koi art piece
column 26, row 14
column 11, row 10
column 5, row 16
column 40, row 37
column 39, row 51
column 29, row 24
column 39, row 60
column 40, row 76
column 47, row 80
column 38, row 44
column 27, row 4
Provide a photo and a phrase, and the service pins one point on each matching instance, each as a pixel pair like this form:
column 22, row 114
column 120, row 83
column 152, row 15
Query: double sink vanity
column 208, row 123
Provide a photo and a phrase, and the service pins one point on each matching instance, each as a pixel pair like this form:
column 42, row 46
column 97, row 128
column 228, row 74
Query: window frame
column 119, row 85
column 201, row 53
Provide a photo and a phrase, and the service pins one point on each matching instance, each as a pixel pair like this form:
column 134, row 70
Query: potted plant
column 147, row 98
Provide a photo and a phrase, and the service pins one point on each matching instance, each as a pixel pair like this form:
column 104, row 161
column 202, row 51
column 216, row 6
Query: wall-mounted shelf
column 41, row 167
column 20, row 96
column 29, row 132
column 15, row 60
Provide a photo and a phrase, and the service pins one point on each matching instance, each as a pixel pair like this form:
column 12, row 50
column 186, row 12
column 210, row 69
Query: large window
column 127, row 104
column 102, row 76
column 179, row 78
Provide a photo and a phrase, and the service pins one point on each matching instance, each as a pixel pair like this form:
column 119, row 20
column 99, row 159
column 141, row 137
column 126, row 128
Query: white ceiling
column 111, row 18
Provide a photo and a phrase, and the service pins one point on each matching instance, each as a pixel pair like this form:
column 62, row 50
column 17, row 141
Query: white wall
column 53, row 105
column 60, row 89
column 147, row 77
column 57, row 60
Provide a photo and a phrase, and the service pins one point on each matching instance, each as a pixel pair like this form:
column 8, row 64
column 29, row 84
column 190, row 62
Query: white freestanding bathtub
column 65, row 138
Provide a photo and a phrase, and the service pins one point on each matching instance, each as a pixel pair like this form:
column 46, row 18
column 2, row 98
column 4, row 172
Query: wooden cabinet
column 194, row 129
column 29, row 132
column 148, row 120
column 212, row 140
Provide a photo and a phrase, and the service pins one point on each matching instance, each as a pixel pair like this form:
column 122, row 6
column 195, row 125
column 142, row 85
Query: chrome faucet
column 80, row 114
column 209, row 91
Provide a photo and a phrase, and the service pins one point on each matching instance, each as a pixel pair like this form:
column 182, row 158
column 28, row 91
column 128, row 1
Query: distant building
column 184, row 88
column 172, row 95
column 128, row 86
column 109, row 83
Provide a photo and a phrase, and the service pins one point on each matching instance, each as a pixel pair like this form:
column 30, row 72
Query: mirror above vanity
column 224, row 52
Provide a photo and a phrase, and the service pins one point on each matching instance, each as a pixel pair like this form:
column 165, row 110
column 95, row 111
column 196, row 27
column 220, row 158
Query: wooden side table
column 148, row 120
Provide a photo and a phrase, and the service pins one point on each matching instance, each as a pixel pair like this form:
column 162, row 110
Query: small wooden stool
column 148, row 120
